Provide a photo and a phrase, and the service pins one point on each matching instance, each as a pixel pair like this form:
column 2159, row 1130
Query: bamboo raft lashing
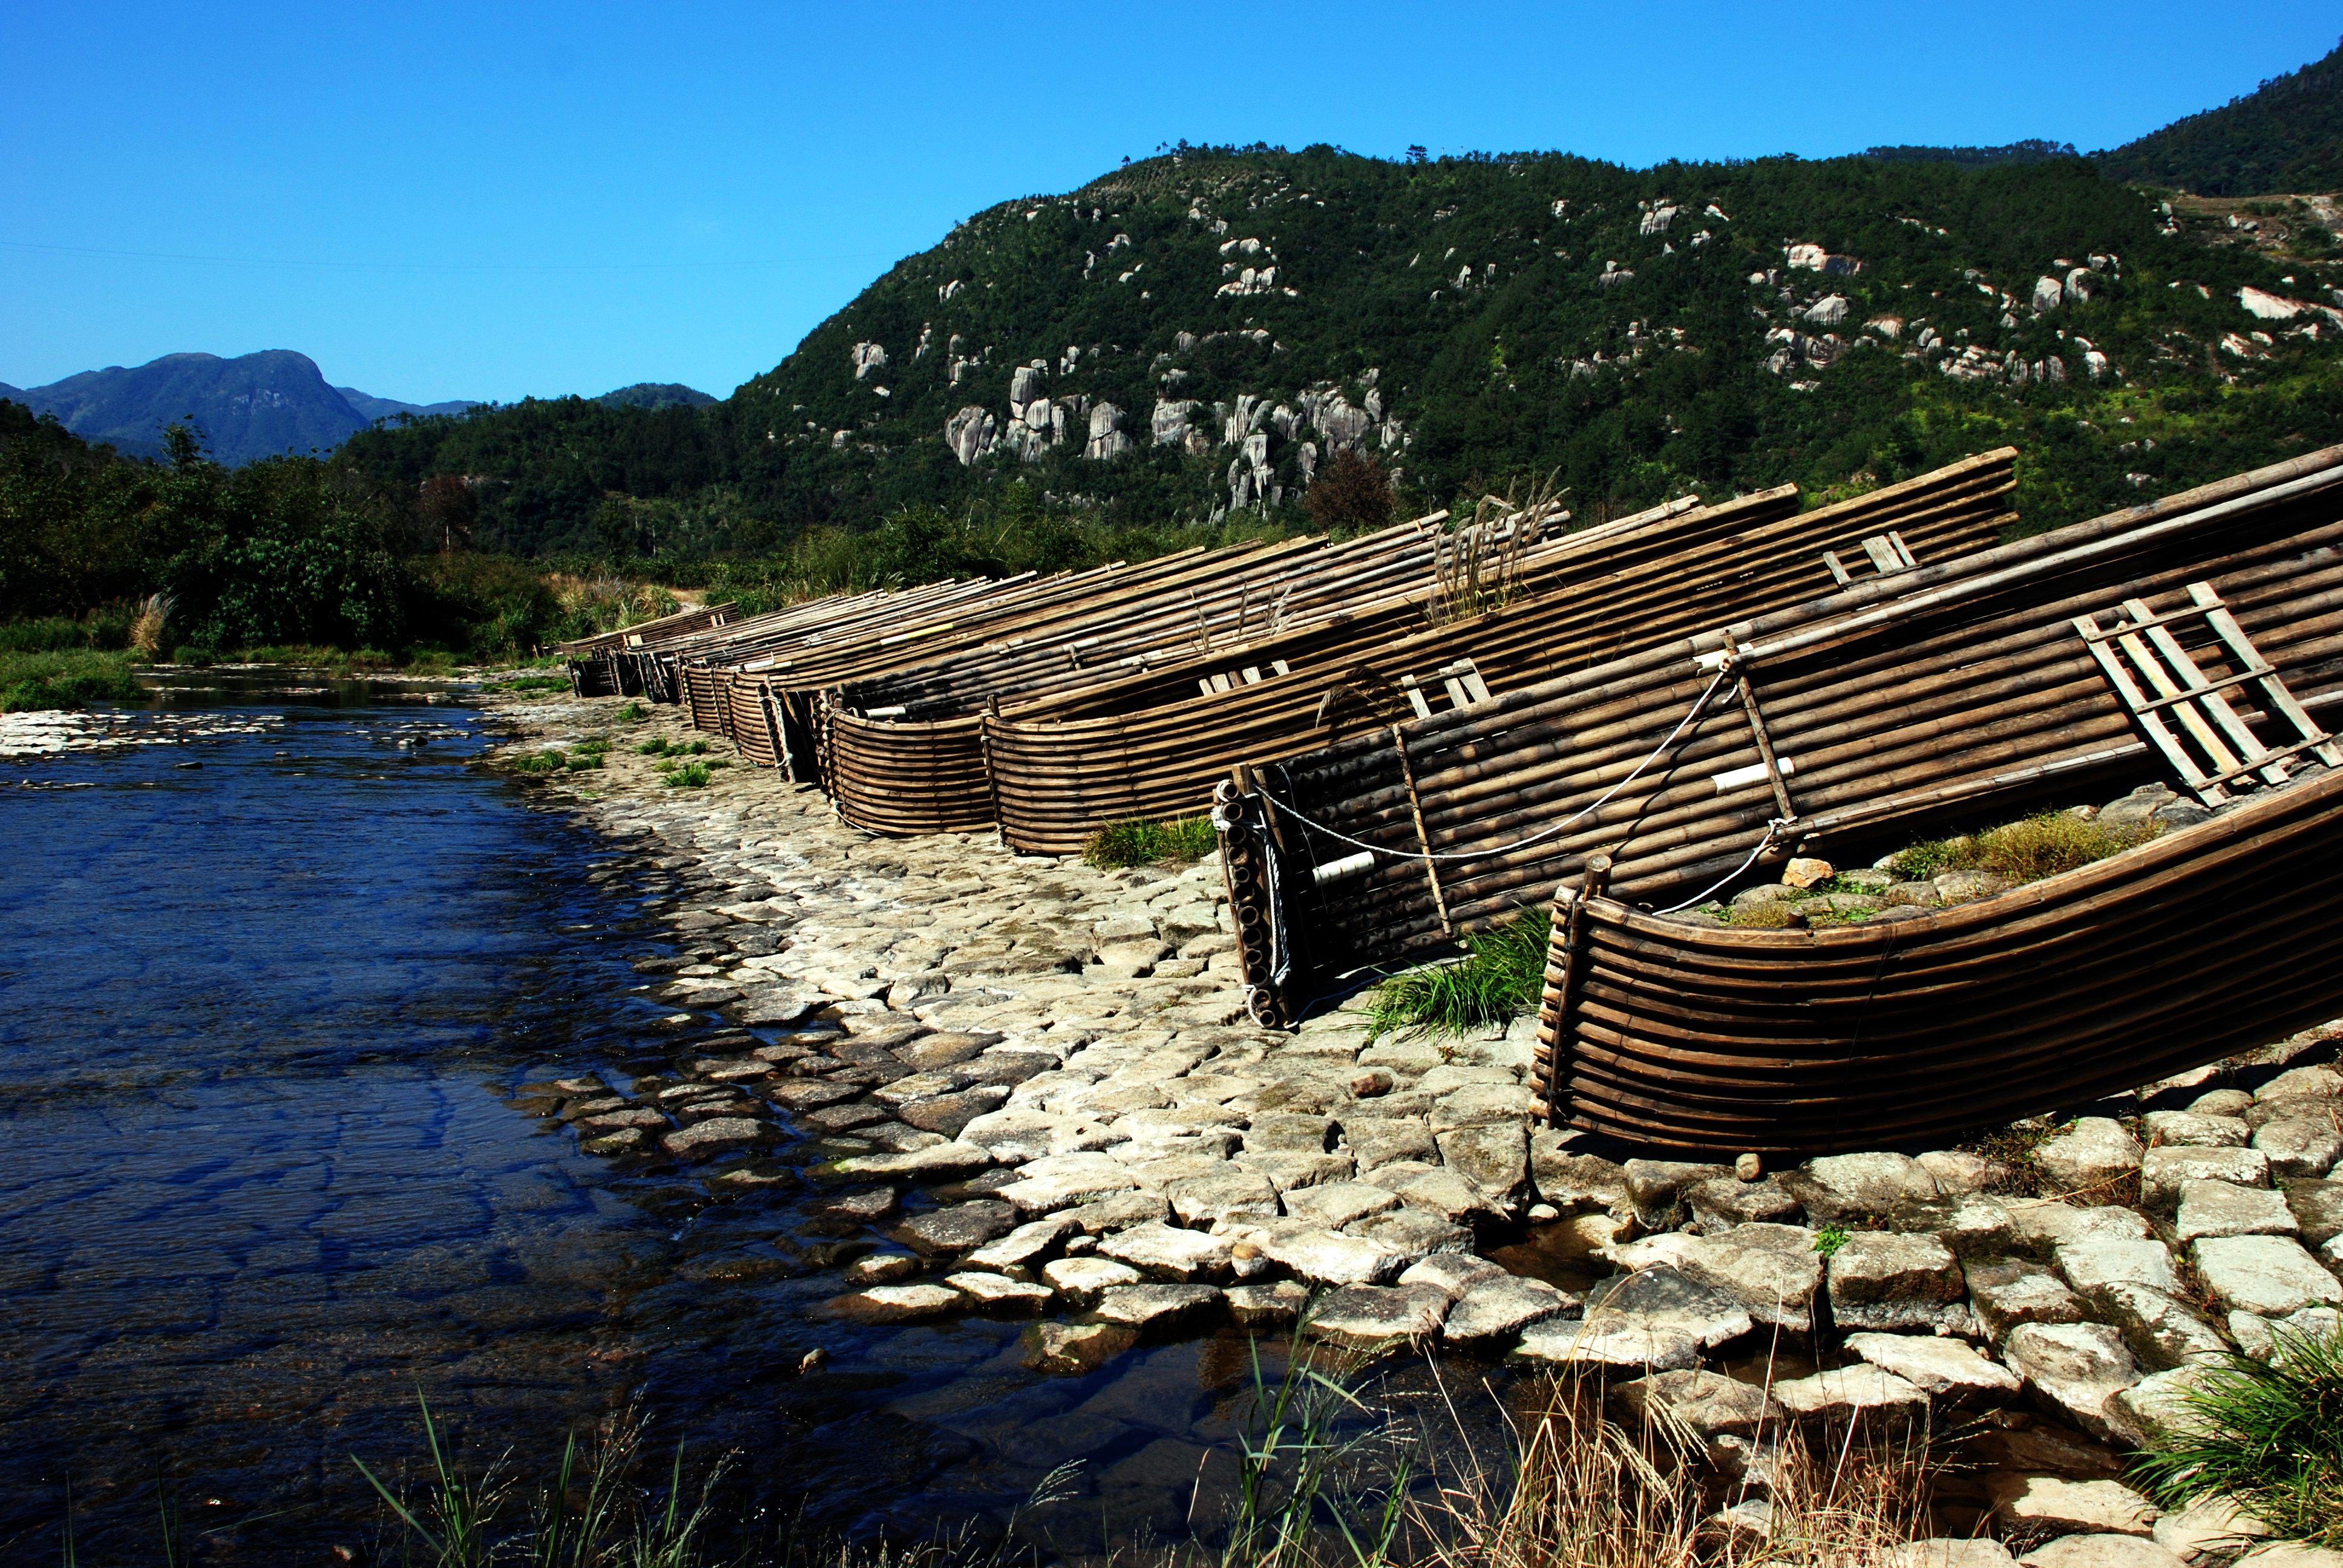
column 1710, row 1042
column 1928, row 691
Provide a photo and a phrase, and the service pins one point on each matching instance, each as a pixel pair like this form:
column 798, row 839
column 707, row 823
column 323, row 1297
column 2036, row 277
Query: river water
column 267, row 1029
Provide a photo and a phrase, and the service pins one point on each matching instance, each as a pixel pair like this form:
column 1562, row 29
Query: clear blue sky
column 491, row 200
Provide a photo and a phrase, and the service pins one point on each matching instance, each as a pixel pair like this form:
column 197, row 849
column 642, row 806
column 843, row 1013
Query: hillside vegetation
column 2284, row 136
column 1201, row 332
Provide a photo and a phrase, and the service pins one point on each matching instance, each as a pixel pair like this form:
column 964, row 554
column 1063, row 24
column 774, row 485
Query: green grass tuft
column 632, row 713
column 655, row 747
column 1138, row 843
column 690, row 776
column 1500, row 977
column 2268, row 1436
column 29, row 681
column 547, row 761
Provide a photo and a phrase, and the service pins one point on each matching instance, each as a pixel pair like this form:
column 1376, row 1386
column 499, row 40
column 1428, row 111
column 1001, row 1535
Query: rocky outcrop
column 1106, row 437
column 868, row 357
column 969, row 433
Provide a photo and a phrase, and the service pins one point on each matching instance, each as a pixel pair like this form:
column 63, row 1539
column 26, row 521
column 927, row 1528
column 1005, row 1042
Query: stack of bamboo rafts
column 1962, row 686
column 2203, row 943
column 1154, row 746
column 596, row 668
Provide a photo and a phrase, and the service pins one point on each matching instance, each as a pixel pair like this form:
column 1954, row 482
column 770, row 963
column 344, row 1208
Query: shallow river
column 262, row 1024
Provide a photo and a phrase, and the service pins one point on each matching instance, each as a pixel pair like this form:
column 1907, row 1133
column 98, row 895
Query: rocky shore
column 1022, row 1085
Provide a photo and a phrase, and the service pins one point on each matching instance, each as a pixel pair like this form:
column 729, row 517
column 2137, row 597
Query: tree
column 449, row 509
column 1353, row 495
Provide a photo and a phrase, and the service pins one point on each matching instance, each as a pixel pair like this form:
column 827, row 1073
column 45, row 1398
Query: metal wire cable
column 1596, row 805
column 1763, row 842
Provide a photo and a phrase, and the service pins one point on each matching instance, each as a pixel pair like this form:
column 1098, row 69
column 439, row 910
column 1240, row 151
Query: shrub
column 43, row 680
column 1138, row 843
column 2268, row 1436
column 1500, row 977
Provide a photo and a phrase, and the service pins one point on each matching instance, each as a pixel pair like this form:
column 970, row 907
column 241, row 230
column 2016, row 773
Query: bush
column 30, row 681
column 1501, row 976
column 2021, row 852
column 2268, row 1436
column 1137, row 843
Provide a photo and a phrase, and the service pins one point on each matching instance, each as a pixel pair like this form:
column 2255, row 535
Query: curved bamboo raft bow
column 2192, row 946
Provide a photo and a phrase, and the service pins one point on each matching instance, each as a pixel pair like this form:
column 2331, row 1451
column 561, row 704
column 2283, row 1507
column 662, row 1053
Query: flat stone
column 2093, row 1153
column 999, row 1291
column 1655, row 1187
column 1075, row 1350
column 1369, row 1317
column 2164, row 1171
column 1494, row 1308
column 1866, row 1393
column 2090, row 1263
column 2224, row 1209
column 624, row 1141
column 1772, row 1271
column 811, row 1093
column 1062, row 1181
column 2301, row 1145
column 1170, row 1252
column 882, row 1268
column 2263, row 1338
column 1082, row 1280
column 1505, row 1104
column 1024, row 1248
column 2210, row 1527
column 928, row 1053
column 863, row 1205
column 2292, row 1555
column 2052, row 1504
column 1215, row 1195
column 1336, row 1204
column 1494, row 1158
column 1882, row 1279
column 1841, row 1187
column 1289, row 1169
column 1334, row 1257
column 2041, row 1223
column 2194, row 1129
column 1282, row 1131
column 1445, row 1194
column 938, row 1162
column 1950, row 1551
column 1724, row 1202
column 1969, row 1224
column 1939, row 1366
column 2162, row 1330
column 2101, row 1551
column 1415, row 1235
column 1275, row 1304
column 2303, row 1082
column 1957, row 1172
column 1015, row 1133
column 947, row 1113
column 1384, row 1140
column 1614, row 1341
column 1708, row 1404
column 2158, row 1406
column 2072, row 1369
column 718, row 1135
column 2318, row 1207
column 1665, row 1297
column 899, row 1303
column 1454, row 1273
column 1156, row 1306
column 2268, row 1275
column 959, row 1227
column 2222, row 1102
column 1573, row 1183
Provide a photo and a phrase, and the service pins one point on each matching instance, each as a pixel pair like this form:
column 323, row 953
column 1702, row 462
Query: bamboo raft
column 2203, row 943
column 1153, row 746
column 1954, row 688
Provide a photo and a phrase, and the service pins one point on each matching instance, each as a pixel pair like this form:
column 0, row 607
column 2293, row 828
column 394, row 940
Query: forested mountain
column 254, row 406
column 655, row 395
column 2285, row 137
column 1203, row 330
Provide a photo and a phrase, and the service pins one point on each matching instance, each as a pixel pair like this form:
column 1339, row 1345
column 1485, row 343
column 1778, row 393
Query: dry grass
column 149, row 631
column 1478, row 566
column 1581, row 1490
column 2023, row 851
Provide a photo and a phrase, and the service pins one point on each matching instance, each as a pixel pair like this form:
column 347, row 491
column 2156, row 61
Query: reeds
column 1478, row 567
column 151, row 625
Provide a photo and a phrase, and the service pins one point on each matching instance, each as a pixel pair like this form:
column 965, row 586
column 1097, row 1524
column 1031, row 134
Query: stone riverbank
column 1029, row 1087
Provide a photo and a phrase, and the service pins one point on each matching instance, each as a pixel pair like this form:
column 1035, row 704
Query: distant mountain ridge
column 254, row 405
